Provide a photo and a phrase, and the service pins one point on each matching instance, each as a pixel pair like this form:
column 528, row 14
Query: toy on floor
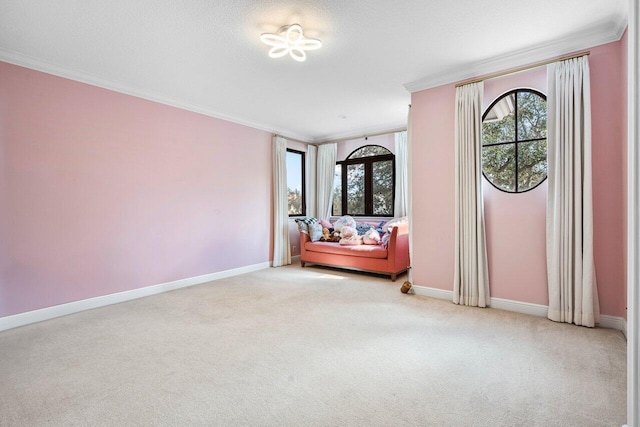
column 406, row 286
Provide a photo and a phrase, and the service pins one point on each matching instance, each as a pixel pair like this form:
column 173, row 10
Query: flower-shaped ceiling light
column 290, row 39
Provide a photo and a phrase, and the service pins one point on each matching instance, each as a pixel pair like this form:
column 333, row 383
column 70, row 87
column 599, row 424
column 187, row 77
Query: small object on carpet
column 405, row 287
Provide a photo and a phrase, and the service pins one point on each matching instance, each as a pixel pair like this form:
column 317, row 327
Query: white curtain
column 281, row 246
column 409, row 195
column 327, row 154
column 471, row 276
column 400, row 208
column 573, row 295
column 310, row 180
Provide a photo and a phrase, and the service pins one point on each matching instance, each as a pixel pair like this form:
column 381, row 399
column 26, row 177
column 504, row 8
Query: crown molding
column 370, row 131
column 30, row 62
column 607, row 32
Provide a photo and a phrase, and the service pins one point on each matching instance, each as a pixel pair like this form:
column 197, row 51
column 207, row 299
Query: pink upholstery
column 369, row 251
column 393, row 261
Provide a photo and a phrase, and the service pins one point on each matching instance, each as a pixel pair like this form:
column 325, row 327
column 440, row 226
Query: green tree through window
column 295, row 182
column 364, row 183
column 514, row 141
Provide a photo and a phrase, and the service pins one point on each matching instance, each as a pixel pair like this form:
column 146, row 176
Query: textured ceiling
column 206, row 55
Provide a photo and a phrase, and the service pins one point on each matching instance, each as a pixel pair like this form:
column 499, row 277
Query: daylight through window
column 364, row 183
column 514, row 141
column 295, row 182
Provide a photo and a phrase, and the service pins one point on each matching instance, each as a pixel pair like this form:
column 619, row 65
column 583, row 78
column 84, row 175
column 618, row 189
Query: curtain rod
column 517, row 70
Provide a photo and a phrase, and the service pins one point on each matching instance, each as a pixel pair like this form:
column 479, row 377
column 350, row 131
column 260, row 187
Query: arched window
column 365, row 183
column 514, row 141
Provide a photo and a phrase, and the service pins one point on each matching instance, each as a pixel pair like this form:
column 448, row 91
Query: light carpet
column 298, row 346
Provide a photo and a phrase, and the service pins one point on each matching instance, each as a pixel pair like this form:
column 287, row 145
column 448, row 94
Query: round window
column 514, row 141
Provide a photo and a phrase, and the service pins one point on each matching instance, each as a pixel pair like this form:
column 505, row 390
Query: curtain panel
column 327, row 154
column 281, row 245
column 471, row 275
column 310, row 180
column 401, row 147
column 573, row 294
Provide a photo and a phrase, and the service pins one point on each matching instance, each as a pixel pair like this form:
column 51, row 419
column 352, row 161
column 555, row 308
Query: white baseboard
column 295, row 258
column 613, row 322
column 47, row 313
column 519, row 307
column 432, row 292
column 606, row 321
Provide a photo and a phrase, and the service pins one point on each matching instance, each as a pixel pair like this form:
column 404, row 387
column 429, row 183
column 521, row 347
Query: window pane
column 532, row 164
column 337, row 193
column 532, row 116
column 294, row 183
column 499, row 123
column 368, row 151
column 499, row 166
column 383, row 188
column 355, row 189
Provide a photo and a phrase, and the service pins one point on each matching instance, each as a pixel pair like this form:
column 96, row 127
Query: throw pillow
column 302, row 226
column 326, row 224
column 385, row 240
column 315, row 231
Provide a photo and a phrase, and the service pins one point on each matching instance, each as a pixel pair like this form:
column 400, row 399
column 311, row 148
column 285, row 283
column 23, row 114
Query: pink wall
column 609, row 157
column 516, row 254
column 294, row 238
column 106, row 192
column 432, row 127
column 515, row 222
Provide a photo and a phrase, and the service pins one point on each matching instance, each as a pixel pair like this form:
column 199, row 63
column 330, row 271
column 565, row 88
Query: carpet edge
column 39, row 315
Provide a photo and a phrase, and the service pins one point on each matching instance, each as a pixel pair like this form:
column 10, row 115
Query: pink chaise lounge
column 373, row 258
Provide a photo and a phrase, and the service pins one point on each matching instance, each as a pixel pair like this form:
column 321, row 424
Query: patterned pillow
column 363, row 228
column 303, row 224
column 384, row 241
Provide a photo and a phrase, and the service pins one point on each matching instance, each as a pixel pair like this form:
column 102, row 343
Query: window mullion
column 304, row 185
column 345, row 189
column 516, row 143
column 368, row 188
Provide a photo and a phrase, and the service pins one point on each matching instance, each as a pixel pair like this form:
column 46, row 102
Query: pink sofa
column 373, row 258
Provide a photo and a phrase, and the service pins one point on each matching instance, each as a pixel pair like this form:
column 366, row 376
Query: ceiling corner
column 607, row 32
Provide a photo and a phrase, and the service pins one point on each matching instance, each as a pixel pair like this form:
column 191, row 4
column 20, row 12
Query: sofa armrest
column 399, row 248
column 304, row 238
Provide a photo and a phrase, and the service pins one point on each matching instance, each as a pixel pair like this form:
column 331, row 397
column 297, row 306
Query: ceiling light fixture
column 290, row 39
